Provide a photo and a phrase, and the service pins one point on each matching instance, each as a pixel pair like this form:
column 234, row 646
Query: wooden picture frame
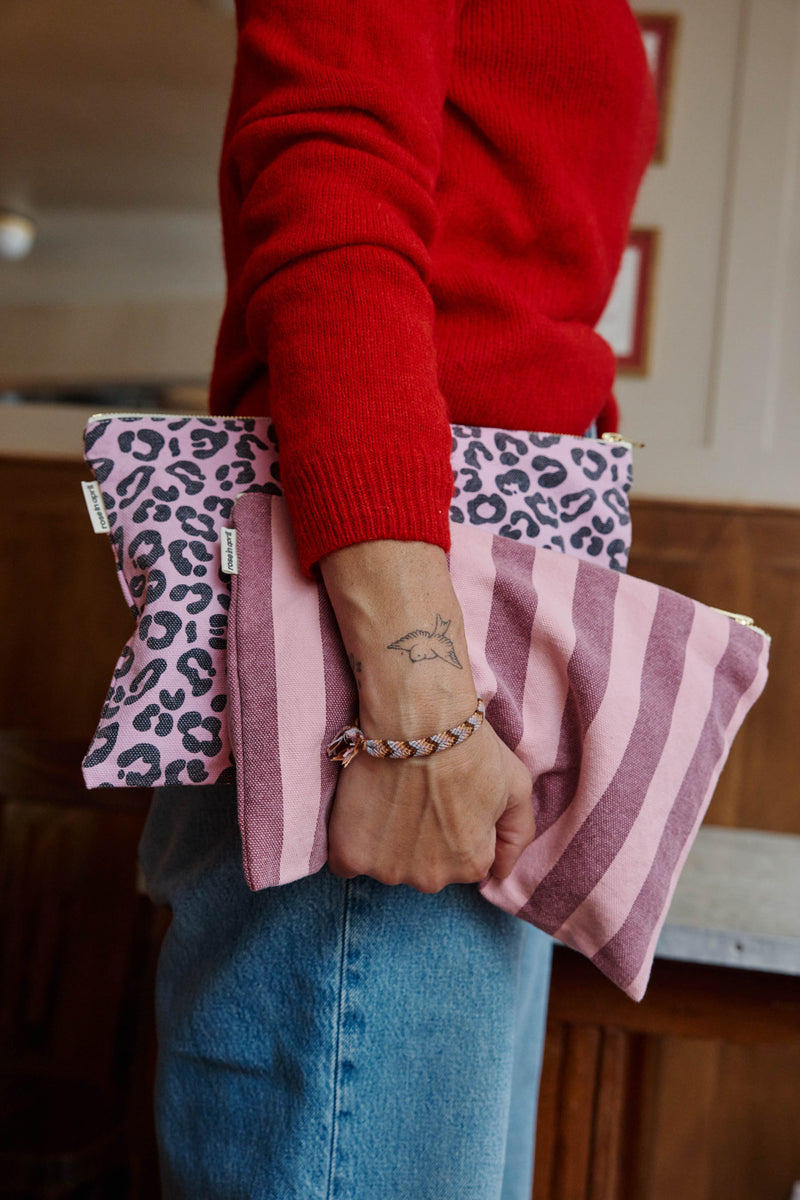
column 660, row 36
column 626, row 323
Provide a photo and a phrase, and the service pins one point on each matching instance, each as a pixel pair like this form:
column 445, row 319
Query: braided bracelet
column 346, row 745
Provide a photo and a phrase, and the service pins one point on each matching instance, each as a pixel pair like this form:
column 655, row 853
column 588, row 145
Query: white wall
column 720, row 409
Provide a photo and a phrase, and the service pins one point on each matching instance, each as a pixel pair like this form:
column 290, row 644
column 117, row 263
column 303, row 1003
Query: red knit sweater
column 424, row 205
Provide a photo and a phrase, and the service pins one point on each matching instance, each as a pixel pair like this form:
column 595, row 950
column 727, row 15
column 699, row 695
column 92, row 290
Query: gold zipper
column 608, row 438
column 175, row 415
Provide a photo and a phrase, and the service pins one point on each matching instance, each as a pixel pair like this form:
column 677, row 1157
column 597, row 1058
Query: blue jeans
column 336, row 1039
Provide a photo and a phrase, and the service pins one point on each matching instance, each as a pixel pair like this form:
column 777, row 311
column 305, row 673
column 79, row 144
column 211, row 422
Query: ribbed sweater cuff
column 337, row 502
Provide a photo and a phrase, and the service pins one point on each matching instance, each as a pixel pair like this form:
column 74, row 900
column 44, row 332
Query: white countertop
column 737, row 903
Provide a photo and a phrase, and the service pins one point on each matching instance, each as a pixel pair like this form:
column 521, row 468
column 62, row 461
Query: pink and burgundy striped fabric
column 621, row 697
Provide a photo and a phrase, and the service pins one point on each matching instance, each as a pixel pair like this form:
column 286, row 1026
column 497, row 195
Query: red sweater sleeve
column 331, row 157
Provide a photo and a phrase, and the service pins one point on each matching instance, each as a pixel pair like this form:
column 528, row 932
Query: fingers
column 340, row 871
column 423, row 874
column 516, row 827
column 455, row 820
column 340, row 862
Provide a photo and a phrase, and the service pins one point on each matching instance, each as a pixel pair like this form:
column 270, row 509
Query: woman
column 424, row 207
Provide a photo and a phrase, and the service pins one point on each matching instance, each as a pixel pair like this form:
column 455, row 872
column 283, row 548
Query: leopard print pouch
column 167, row 484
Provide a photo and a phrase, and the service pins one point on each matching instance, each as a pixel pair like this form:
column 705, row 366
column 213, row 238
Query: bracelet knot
column 346, row 745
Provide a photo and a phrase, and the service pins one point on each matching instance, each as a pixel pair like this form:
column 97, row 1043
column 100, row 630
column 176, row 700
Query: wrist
column 370, row 582
column 402, row 708
column 403, row 631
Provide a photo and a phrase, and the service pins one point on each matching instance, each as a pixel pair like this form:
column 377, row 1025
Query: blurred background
column 111, row 286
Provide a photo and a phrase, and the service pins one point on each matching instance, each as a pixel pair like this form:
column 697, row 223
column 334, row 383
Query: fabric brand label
column 97, row 509
column 230, row 561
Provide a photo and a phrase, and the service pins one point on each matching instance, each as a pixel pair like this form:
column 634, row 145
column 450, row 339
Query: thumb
column 516, row 826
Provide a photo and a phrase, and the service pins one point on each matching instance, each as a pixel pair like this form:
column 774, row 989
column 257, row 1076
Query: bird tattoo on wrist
column 423, row 644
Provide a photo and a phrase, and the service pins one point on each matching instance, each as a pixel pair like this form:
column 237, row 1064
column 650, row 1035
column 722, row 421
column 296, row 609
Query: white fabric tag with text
column 230, row 561
column 97, row 509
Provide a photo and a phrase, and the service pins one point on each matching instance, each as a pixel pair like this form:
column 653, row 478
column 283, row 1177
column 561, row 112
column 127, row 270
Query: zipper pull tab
column 741, row 619
column 618, row 440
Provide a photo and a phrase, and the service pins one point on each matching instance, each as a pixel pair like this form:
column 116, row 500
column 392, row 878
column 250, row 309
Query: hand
column 455, row 817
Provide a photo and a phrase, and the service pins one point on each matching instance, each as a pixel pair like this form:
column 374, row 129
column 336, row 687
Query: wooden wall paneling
column 582, row 1047
column 641, row 1133
column 744, row 560
column 547, row 1111
column 755, row 1138
column 143, row 1161
column 589, row 1127
column 77, row 954
column 611, row 1105
column 62, row 615
column 716, row 1122
column 61, row 1002
column 680, row 1162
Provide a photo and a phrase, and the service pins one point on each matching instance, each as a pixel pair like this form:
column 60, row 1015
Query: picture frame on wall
column 626, row 323
column 660, row 36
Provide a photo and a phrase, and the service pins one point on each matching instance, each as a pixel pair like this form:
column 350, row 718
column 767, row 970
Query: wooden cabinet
column 78, row 946
column 689, row 1095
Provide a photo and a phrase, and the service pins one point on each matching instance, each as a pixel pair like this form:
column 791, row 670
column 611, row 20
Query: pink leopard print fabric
column 169, row 483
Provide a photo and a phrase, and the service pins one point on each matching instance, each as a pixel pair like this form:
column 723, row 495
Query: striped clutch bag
column 621, row 697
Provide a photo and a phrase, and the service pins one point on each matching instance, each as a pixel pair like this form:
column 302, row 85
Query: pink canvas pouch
column 166, row 485
column 621, row 697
